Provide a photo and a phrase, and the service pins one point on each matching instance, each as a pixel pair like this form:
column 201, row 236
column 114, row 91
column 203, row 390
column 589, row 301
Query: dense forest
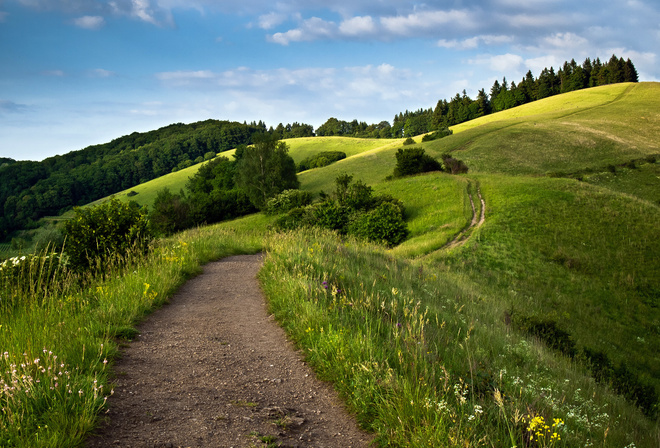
column 31, row 190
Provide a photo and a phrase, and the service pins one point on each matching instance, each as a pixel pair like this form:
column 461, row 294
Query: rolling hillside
column 469, row 332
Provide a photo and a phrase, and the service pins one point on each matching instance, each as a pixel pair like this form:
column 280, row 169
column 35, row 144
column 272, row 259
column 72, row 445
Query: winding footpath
column 213, row 369
column 477, row 221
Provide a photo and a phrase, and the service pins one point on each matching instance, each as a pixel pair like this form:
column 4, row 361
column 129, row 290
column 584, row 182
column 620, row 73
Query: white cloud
column 413, row 23
column 271, row 20
column 565, row 41
column 504, row 63
column 310, row 29
column 473, row 42
column 89, row 22
column 357, row 26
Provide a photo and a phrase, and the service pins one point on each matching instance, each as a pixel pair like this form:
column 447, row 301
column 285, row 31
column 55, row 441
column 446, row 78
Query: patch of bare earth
column 213, row 369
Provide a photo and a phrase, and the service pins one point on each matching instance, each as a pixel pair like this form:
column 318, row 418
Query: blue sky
column 80, row 72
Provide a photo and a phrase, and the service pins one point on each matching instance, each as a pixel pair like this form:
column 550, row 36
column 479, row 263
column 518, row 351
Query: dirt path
column 213, row 369
column 477, row 221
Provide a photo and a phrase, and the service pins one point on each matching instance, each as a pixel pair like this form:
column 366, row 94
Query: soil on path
column 213, row 369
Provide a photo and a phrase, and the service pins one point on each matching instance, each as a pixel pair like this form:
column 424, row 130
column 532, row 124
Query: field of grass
column 641, row 181
column 613, row 127
column 425, row 344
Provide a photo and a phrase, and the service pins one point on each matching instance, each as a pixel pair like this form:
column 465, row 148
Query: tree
column 265, row 170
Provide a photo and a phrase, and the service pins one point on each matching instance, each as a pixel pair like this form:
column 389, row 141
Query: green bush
column 330, row 215
column 454, row 166
column 288, row 200
column 411, row 161
column 383, row 224
column 321, row 159
column 444, row 132
column 408, row 141
column 170, row 213
column 111, row 229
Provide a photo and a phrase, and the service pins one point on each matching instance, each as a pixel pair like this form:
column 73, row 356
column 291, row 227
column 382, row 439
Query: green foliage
column 454, row 166
column 265, row 170
column 288, row 200
column 99, row 233
column 320, row 160
column 408, row 141
column 444, row 132
column 411, row 161
column 384, row 224
column 170, row 213
column 352, row 210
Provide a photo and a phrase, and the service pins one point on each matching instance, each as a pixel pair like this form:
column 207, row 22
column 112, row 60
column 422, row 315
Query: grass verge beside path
column 426, row 359
column 56, row 349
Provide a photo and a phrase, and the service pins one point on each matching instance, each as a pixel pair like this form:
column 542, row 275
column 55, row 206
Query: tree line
column 502, row 95
column 30, row 190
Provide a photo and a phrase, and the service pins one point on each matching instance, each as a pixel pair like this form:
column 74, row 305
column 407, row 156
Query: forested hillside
column 30, row 190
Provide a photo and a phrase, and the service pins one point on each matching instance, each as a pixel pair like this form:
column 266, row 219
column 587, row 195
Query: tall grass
column 425, row 359
column 58, row 334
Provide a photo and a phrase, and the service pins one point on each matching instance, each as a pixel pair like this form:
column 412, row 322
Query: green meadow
column 428, row 344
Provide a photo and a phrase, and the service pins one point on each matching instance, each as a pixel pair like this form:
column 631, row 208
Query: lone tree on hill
column 266, row 169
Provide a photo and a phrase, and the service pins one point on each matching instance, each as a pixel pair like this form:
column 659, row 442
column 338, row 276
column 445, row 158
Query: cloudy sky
column 80, row 72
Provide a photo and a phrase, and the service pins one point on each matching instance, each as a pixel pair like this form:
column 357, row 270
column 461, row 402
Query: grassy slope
column 583, row 254
column 605, row 125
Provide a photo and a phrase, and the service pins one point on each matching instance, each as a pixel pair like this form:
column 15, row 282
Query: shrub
column 408, row 141
column 170, row 213
column 454, row 166
column 321, row 159
column 411, row 161
column 95, row 234
column 444, row 132
column 330, row 215
column 383, row 224
column 288, row 200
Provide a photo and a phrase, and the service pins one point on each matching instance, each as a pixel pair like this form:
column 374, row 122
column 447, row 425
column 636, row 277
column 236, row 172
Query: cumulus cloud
column 310, row 29
column 358, row 26
column 89, row 22
column 503, row 63
column 412, row 24
column 271, row 20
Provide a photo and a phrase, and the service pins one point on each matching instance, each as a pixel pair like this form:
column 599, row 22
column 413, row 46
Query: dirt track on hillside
column 477, row 221
column 213, row 369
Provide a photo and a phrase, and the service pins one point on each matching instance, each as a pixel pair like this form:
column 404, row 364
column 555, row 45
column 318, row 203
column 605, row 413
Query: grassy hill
column 469, row 344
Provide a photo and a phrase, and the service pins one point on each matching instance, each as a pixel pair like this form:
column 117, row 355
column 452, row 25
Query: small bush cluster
column 99, row 233
column 288, row 200
column 352, row 210
column 453, row 166
column 320, row 159
column 444, row 132
column 410, row 161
